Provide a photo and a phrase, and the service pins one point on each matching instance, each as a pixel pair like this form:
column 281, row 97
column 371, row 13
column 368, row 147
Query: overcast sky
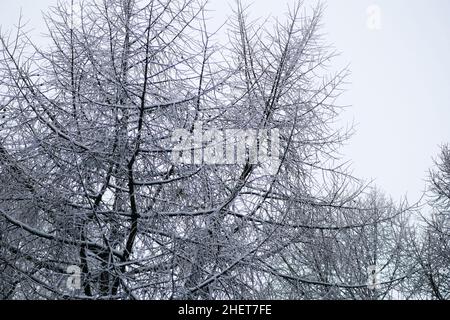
column 399, row 91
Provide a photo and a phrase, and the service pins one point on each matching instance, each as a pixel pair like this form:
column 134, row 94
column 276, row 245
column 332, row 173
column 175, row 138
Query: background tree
column 432, row 252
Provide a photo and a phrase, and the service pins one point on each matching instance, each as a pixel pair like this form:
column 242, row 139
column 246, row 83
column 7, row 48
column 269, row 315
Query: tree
column 433, row 255
column 86, row 153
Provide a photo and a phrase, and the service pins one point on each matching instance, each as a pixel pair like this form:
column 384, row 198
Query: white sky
column 399, row 91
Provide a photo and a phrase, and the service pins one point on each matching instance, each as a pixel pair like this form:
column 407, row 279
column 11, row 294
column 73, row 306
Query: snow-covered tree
column 88, row 178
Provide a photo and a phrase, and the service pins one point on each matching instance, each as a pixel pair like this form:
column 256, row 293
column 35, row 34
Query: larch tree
column 88, row 176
